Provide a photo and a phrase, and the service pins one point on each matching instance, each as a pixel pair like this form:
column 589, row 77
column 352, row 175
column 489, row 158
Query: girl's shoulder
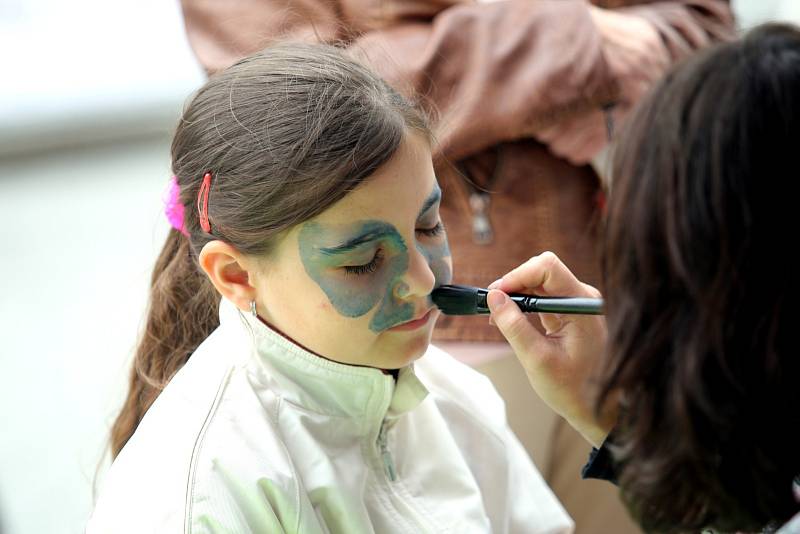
column 792, row 527
column 154, row 470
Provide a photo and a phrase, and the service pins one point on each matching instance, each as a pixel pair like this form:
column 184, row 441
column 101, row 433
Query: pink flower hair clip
column 173, row 208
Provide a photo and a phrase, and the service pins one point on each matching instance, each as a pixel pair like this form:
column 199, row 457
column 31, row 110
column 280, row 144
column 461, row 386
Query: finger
column 512, row 323
column 547, row 275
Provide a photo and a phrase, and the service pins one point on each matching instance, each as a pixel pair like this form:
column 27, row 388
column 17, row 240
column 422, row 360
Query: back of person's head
column 700, row 279
column 286, row 133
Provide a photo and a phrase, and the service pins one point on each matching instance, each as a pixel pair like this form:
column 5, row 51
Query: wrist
column 595, row 429
column 595, row 435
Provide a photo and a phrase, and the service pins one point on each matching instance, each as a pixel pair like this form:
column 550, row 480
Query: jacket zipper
column 416, row 522
column 386, row 456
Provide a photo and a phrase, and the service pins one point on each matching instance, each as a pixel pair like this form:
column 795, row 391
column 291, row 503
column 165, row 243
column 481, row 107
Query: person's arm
column 221, row 33
column 687, row 25
column 639, row 44
column 679, row 26
column 505, row 70
column 494, row 71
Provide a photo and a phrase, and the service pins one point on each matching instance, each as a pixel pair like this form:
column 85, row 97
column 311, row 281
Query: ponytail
column 183, row 311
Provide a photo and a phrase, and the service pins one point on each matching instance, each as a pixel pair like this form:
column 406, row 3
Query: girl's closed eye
column 367, row 268
column 432, row 232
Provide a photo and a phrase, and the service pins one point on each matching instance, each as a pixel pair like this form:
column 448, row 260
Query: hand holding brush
column 561, row 361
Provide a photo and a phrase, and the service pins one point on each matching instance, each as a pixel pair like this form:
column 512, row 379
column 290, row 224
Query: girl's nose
column 419, row 279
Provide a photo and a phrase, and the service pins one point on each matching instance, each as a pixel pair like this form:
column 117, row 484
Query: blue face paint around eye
column 438, row 253
column 357, row 295
column 437, row 256
column 354, row 296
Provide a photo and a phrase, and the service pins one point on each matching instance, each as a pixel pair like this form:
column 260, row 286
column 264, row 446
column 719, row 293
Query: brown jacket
column 496, row 73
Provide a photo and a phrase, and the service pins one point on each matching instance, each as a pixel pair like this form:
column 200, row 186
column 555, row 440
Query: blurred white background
column 89, row 95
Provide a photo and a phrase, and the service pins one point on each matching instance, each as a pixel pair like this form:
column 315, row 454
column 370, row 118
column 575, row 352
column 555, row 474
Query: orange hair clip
column 202, row 203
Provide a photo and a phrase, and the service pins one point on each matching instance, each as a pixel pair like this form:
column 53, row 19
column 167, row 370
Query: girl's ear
column 230, row 272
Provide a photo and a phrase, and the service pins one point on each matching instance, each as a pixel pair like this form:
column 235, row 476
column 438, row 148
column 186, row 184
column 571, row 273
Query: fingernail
column 495, row 299
column 495, row 284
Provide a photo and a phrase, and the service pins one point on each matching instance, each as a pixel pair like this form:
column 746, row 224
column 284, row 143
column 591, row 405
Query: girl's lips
column 416, row 323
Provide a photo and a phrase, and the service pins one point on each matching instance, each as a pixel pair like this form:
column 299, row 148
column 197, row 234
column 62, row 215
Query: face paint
column 362, row 265
column 436, row 254
column 353, row 294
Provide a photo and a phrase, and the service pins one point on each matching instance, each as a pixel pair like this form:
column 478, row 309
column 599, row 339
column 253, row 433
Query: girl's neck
column 394, row 372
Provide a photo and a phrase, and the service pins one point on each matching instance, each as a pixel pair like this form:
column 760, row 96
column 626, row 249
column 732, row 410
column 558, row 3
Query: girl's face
column 353, row 284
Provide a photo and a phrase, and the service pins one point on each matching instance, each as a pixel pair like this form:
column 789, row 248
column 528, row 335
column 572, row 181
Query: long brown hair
column 700, row 284
column 286, row 133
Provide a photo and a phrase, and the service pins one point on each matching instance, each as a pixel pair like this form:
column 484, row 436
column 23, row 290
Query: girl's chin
column 410, row 351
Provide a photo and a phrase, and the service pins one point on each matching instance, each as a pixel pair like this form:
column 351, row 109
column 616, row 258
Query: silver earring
column 253, row 308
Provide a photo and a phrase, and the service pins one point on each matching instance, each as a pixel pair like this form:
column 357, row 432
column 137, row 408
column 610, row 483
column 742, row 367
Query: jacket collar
column 319, row 385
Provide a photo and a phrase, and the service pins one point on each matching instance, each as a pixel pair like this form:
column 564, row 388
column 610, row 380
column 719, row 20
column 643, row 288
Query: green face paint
column 435, row 250
column 437, row 255
column 353, row 295
column 360, row 265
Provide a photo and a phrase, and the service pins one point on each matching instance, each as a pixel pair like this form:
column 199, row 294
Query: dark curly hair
column 700, row 277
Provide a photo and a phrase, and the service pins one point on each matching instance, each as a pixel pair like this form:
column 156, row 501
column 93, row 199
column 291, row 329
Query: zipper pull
column 388, row 463
column 482, row 233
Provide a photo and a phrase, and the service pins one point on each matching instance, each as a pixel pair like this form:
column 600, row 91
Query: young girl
column 305, row 198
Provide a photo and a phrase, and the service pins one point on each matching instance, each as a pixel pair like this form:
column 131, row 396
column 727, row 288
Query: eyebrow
column 357, row 241
column 433, row 198
column 372, row 235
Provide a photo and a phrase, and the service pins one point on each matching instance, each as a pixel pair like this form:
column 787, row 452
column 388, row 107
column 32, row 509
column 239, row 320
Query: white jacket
column 255, row 434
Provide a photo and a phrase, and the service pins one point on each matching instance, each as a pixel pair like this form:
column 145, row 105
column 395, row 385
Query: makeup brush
column 466, row 300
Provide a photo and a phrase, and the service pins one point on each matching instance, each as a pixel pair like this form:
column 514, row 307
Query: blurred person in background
column 525, row 93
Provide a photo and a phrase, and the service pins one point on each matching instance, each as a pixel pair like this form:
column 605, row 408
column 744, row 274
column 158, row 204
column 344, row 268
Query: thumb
column 513, row 324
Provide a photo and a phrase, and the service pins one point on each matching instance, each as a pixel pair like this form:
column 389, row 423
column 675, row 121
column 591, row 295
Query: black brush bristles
column 460, row 300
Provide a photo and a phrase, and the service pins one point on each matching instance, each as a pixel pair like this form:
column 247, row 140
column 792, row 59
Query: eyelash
column 367, row 268
column 432, row 232
column 372, row 266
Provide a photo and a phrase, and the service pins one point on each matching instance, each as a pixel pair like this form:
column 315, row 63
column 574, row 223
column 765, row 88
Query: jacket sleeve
column 236, row 504
column 489, row 70
column 687, row 25
column 493, row 71
column 600, row 465
column 530, row 499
